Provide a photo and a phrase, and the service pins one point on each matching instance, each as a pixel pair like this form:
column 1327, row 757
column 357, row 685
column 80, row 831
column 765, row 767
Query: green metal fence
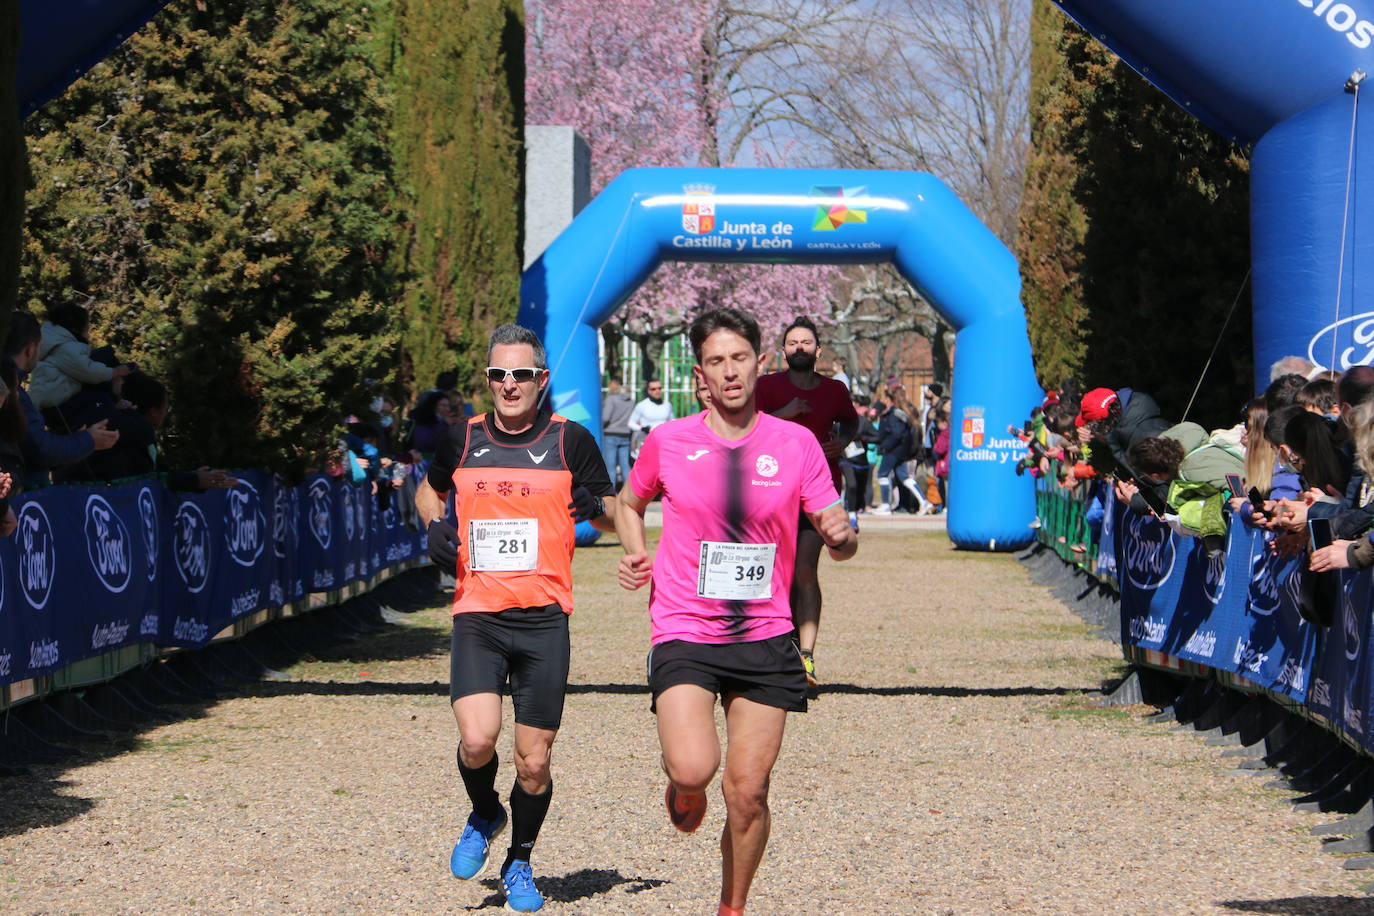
column 674, row 370
column 1062, row 514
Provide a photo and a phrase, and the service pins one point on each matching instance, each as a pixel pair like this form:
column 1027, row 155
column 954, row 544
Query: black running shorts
column 522, row 652
column 768, row 671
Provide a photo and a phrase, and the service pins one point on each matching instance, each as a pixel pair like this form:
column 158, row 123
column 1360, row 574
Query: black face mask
column 656, row 400
column 801, row 361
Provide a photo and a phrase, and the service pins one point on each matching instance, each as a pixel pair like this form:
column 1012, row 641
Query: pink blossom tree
column 647, row 84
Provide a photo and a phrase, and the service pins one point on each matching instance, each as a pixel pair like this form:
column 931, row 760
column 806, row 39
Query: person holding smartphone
column 1183, row 472
column 1343, row 554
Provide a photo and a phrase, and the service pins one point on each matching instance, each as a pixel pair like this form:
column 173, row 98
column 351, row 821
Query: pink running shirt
column 748, row 492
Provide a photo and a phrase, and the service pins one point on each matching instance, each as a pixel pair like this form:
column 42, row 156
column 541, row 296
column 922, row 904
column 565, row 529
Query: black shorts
column 768, row 671
column 522, row 652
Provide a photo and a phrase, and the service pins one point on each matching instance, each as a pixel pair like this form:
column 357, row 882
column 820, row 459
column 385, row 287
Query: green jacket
column 1208, row 459
column 1197, row 494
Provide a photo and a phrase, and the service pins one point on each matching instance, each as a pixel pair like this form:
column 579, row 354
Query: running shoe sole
column 686, row 821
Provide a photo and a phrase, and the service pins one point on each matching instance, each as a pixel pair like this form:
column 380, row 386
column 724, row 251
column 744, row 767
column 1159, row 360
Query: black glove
column 443, row 545
column 585, row 506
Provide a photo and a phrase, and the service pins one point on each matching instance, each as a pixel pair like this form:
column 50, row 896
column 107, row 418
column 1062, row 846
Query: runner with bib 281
column 521, row 477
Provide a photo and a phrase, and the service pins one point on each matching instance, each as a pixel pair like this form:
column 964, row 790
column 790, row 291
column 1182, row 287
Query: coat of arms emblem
column 699, row 209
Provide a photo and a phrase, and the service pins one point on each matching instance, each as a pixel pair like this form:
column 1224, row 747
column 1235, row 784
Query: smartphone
column 1319, row 532
column 1234, row 485
column 1257, row 502
column 1152, row 499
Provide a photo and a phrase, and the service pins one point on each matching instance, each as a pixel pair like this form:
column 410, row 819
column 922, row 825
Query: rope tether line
column 1352, row 85
column 1220, row 334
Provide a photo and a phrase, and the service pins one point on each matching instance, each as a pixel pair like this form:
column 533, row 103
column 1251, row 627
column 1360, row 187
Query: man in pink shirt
column 735, row 483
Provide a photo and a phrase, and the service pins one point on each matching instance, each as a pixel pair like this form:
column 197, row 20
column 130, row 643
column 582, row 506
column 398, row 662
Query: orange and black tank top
column 516, row 534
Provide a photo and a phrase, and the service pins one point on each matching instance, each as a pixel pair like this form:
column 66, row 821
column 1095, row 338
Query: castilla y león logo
column 840, row 207
column 698, row 209
column 974, row 431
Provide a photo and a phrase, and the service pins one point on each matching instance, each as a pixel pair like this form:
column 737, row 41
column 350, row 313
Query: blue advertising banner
column 1239, row 613
column 94, row 568
column 1340, row 686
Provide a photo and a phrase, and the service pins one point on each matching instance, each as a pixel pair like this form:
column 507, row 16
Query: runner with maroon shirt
column 822, row 405
column 734, row 483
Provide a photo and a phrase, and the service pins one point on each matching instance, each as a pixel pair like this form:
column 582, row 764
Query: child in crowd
column 68, row 385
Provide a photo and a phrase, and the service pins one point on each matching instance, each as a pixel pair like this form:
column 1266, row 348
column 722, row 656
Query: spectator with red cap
column 1113, row 421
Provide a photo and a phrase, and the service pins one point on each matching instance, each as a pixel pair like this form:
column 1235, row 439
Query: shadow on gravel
column 438, row 688
column 1304, row 906
column 347, row 689
column 918, row 691
column 33, row 801
column 41, row 740
column 405, row 688
column 570, row 888
column 391, row 645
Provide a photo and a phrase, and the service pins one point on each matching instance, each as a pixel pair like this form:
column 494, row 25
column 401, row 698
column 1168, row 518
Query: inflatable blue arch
column 1283, row 75
column 1277, row 74
column 783, row 216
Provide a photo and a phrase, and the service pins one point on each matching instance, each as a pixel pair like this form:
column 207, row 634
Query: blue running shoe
column 473, row 849
column 521, row 894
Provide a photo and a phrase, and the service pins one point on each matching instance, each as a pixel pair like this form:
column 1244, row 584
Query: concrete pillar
column 558, row 183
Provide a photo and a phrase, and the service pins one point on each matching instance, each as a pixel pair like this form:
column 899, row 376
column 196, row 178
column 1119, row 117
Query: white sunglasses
column 523, row 374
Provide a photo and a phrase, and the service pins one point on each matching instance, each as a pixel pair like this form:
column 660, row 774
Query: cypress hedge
column 13, row 169
column 1134, row 232
column 281, row 209
column 457, row 67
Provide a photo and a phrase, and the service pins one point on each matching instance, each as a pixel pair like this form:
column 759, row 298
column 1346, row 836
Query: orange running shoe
column 685, row 811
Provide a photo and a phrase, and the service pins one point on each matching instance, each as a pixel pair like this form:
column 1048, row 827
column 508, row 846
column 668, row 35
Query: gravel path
column 950, row 766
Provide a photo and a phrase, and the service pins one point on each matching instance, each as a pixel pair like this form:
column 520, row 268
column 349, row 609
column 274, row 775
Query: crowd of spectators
column 1293, row 463
column 71, row 412
column 898, row 462
column 74, row 413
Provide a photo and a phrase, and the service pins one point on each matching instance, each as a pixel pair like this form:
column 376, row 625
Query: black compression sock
column 481, row 786
column 526, row 817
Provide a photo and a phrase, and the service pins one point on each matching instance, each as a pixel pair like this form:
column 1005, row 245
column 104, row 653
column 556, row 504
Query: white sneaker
column 884, row 509
column 922, row 505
